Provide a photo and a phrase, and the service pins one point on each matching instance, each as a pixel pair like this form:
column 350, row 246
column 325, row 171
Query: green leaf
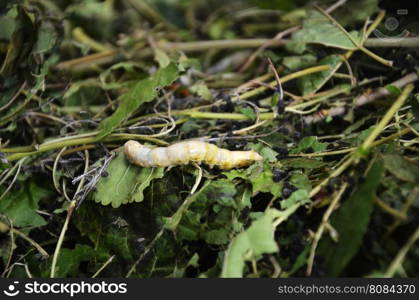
column 274, row 99
column 7, row 25
column 362, row 136
column 301, row 181
column 402, row 168
column 161, row 57
column 299, row 61
column 282, row 5
column 82, row 93
column 358, row 11
column 7, row 245
column 142, row 92
column 256, row 240
column 21, row 43
column 318, row 29
column 20, row 206
column 202, row 91
column 304, row 163
column 116, row 241
column 309, row 142
column 313, row 82
column 260, row 174
column 299, row 196
column 220, row 191
column 213, row 216
column 69, row 260
column 248, row 112
column 351, row 222
column 267, row 152
column 125, row 183
column 300, row 261
column 46, row 39
column 218, row 236
column 109, row 80
column 263, row 182
column 394, row 90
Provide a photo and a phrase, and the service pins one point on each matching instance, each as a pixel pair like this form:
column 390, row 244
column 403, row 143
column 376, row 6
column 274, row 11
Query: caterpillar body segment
column 183, row 153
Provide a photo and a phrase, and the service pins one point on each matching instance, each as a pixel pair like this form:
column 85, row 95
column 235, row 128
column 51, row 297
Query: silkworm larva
column 183, row 153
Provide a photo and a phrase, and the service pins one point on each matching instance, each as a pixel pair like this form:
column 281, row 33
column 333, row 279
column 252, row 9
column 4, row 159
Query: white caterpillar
column 183, row 153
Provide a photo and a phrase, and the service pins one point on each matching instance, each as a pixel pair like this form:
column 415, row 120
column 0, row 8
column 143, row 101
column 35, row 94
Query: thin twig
column 103, row 266
column 70, row 210
column 363, row 99
column 398, row 260
column 387, row 117
column 15, row 96
column 14, row 178
column 320, row 230
column 54, row 170
column 198, row 178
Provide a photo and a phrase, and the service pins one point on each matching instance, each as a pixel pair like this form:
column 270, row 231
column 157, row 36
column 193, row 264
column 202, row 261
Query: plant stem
column 283, row 80
column 352, row 149
column 385, row 62
column 5, row 228
column 82, row 37
column 61, row 238
column 175, row 219
column 398, row 260
column 407, row 42
column 334, row 174
column 89, row 138
column 224, row 116
column 387, row 117
column 322, row 226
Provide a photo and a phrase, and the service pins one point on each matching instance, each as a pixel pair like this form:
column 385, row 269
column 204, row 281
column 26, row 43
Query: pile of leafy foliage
column 329, row 103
